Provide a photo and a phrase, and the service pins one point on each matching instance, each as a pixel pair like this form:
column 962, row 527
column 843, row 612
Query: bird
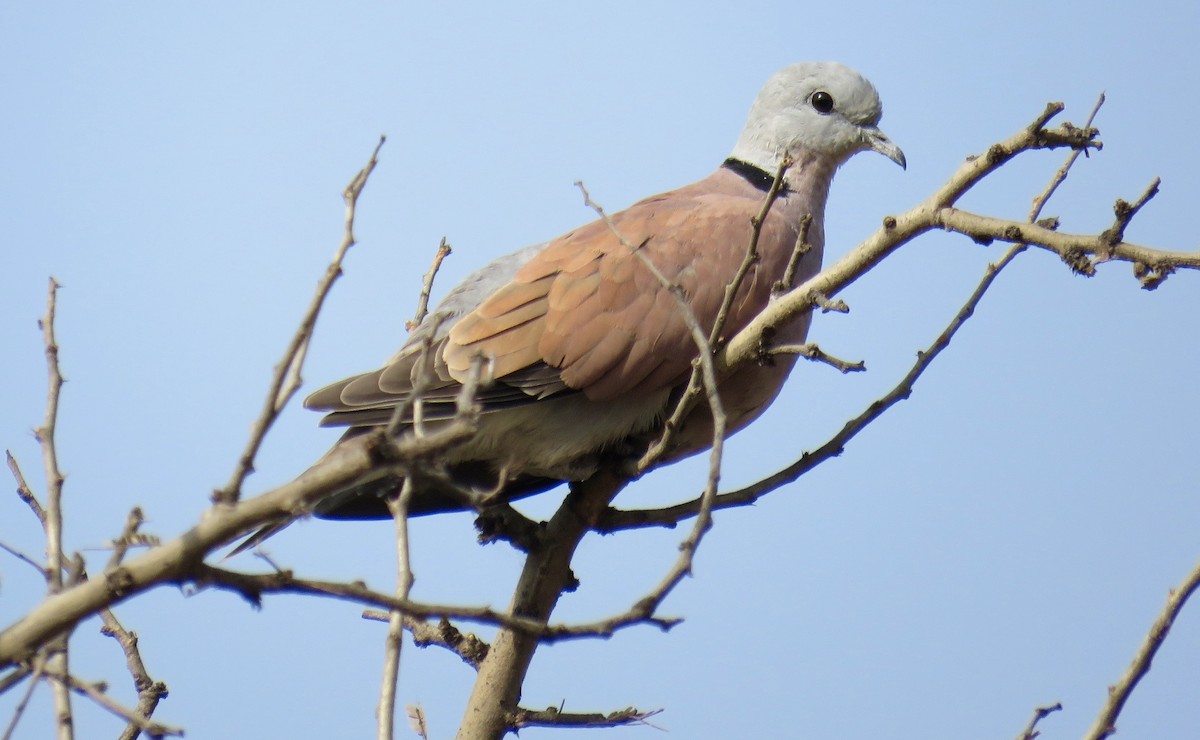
column 587, row 348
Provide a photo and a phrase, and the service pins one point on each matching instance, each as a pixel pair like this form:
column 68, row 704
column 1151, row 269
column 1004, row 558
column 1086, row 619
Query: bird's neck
column 809, row 174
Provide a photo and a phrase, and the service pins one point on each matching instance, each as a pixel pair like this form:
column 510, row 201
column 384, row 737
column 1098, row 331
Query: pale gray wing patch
column 371, row 398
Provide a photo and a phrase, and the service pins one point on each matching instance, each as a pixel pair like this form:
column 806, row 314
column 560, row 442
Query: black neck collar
column 753, row 174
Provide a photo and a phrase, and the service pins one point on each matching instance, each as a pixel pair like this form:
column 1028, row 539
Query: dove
column 587, row 349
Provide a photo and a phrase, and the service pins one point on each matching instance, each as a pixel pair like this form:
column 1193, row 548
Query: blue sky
column 1001, row 540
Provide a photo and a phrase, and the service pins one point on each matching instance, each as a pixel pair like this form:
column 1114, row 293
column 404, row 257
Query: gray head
column 820, row 108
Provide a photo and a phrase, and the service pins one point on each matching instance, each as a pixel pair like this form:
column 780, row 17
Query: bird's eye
column 822, row 101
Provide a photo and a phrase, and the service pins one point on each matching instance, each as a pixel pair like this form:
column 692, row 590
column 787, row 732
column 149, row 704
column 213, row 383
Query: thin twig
column 555, row 717
column 23, row 490
column 812, row 351
column 416, row 721
column 386, row 711
column 801, row 248
column 751, row 257
column 14, row 677
column 1030, row 732
column 45, row 435
column 682, row 567
column 412, row 401
column 1061, row 175
column 35, row 675
column 670, row 516
column 443, row 251
column 467, row 647
column 150, row 692
column 691, row 392
column 57, row 651
column 24, row 558
column 900, row 230
column 97, row 692
column 168, row 563
column 286, row 379
column 1119, row 693
column 121, row 544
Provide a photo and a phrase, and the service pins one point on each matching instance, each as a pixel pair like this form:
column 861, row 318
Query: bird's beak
column 877, row 140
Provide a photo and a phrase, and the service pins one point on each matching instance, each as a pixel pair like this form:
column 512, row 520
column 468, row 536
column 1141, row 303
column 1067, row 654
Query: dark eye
column 822, row 101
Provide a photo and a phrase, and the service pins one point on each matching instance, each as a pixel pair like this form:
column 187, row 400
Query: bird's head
column 824, row 109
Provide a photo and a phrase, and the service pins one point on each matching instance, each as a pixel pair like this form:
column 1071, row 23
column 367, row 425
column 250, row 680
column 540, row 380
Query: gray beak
column 877, row 140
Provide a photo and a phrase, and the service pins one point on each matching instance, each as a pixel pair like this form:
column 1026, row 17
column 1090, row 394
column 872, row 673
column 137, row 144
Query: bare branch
column 175, row 559
column 97, row 692
column 751, row 256
column 19, row 710
column 443, row 251
column 128, row 536
column 803, row 247
column 646, row 606
column 57, row 659
column 1124, row 213
column 937, row 212
column 23, row 490
column 1030, row 732
column 14, row 677
column 1060, row 176
column 669, row 516
column 386, row 711
column 287, row 379
column 468, row 647
column 1119, row 693
column 149, row 691
column 545, row 576
column 253, row 586
column 416, row 720
column 53, row 521
column 1082, row 252
column 25, row 559
column 691, row 392
column 555, row 717
column 811, row 351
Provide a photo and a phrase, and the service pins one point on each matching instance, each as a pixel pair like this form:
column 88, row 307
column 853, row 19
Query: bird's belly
column 559, row 437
